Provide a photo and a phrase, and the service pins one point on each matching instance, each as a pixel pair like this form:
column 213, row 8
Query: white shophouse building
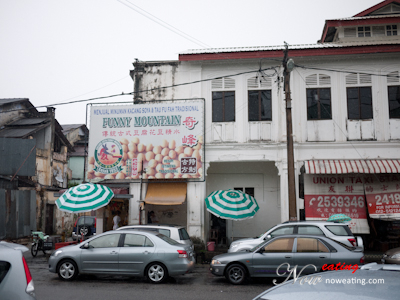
column 345, row 93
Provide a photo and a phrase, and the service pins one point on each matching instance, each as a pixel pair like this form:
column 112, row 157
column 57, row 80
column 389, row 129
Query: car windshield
column 86, row 220
column 167, row 239
column 263, row 233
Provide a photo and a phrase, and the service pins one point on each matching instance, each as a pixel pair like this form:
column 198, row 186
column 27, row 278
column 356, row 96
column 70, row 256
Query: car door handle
column 113, row 252
column 288, row 256
column 322, row 256
column 146, row 252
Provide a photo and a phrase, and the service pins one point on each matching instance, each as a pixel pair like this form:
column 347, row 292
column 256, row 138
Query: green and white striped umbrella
column 84, row 197
column 339, row 218
column 231, row 204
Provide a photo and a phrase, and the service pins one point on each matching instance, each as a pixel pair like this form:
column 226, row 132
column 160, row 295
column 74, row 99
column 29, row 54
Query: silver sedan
column 124, row 252
column 282, row 254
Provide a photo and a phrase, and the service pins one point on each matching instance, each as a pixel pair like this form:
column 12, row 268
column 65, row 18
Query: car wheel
column 67, row 270
column 156, row 273
column 236, row 274
column 34, row 249
column 84, row 230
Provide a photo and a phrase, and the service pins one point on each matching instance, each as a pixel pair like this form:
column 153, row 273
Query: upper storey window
column 223, row 100
column 394, row 95
column 370, row 31
column 364, row 31
column 391, row 30
column 359, row 96
column 259, row 99
column 318, row 97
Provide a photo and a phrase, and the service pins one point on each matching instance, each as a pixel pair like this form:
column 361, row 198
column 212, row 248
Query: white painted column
column 196, row 193
column 284, row 197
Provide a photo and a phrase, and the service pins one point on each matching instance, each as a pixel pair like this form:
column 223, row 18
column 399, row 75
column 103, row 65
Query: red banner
column 327, row 195
column 383, row 197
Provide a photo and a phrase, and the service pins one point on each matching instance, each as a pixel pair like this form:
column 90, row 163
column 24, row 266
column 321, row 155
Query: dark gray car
column 283, row 252
column 372, row 281
column 124, row 252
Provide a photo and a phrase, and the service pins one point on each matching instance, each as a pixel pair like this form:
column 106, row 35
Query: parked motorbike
column 40, row 242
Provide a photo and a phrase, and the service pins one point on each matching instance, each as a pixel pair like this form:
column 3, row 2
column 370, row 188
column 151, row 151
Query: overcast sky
column 55, row 51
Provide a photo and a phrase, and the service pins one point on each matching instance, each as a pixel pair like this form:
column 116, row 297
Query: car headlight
column 215, row 262
column 55, row 253
column 234, row 245
column 396, row 256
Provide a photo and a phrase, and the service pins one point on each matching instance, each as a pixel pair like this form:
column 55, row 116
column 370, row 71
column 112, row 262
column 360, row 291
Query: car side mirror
column 261, row 251
column 267, row 237
column 86, row 246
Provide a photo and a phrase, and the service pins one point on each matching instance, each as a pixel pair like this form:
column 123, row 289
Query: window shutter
column 229, row 83
column 365, row 78
column 352, row 79
column 324, row 79
column 216, row 84
column 312, row 80
column 378, row 30
column 393, row 77
column 350, row 32
column 252, row 83
column 257, row 82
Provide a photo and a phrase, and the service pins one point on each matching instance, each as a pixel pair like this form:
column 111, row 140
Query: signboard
column 326, row 195
column 153, row 141
column 383, row 197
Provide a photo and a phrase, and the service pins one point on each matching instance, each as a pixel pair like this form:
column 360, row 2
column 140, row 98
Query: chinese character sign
column 383, row 196
column 156, row 141
column 326, row 195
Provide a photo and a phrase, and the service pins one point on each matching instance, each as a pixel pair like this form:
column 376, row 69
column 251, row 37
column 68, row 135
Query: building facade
column 345, row 109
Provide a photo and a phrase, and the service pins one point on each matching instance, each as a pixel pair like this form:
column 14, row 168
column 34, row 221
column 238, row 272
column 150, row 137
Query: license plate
column 48, row 245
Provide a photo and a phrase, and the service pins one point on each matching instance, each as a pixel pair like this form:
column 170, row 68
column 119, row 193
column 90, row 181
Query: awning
column 361, row 166
column 173, row 193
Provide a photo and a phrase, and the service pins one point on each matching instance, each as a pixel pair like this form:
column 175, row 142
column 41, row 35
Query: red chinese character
column 189, row 140
column 160, row 132
column 332, row 189
column 136, row 132
column 168, row 131
column 113, row 133
column 144, row 132
column 384, row 187
column 349, row 189
column 369, row 189
column 128, row 133
column 152, row 132
column 190, row 122
column 105, row 133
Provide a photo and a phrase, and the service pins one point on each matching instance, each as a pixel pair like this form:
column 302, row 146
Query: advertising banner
column 326, row 195
column 383, row 197
column 160, row 140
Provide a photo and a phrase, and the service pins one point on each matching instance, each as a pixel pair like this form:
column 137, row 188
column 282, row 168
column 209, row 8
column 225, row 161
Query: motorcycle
column 39, row 242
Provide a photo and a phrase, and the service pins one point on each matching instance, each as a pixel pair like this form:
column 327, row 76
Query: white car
column 337, row 231
column 175, row 232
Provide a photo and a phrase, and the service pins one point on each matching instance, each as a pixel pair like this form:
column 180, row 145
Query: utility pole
column 288, row 65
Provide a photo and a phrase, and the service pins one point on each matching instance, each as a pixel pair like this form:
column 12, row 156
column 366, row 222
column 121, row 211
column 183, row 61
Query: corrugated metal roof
column 292, row 47
column 12, row 100
column 32, row 121
column 68, row 127
column 16, row 132
column 366, row 17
